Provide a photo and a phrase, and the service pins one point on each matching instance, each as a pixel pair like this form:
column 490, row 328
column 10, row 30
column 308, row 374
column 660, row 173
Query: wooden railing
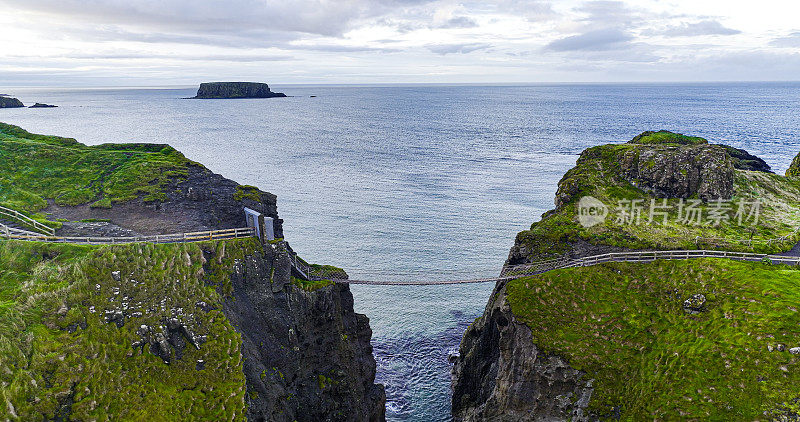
column 644, row 256
column 15, row 234
column 27, row 221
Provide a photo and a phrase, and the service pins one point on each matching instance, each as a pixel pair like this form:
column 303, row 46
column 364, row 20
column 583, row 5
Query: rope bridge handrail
column 24, row 219
column 635, row 256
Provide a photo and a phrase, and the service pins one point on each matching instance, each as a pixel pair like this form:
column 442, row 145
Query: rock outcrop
column 501, row 375
column 8, row 102
column 680, row 171
column 307, row 354
column 587, row 344
column 743, row 160
column 659, row 166
column 220, row 90
column 794, row 168
column 203, row 200
column 42, row 105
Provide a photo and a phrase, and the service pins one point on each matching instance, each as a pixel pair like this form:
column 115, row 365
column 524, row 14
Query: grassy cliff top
column 625, row 325
column 666, row 137
column 63, row 359
column 36, row 168
column 612, row 173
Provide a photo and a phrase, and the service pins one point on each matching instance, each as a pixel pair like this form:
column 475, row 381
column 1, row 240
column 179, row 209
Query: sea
column 415, row 182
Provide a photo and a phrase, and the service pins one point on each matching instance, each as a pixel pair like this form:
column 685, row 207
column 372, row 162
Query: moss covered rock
column 144, row 188
column 202, row 331
column 621, row 175
column 615, row 341
column 8, row 102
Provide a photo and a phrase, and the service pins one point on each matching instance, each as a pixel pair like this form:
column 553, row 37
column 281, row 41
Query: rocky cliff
column 629, row 178
column 210, row 90
column 204, row 331
column 307, row 355
column 8, row 102
column 133, row 188
column 688, row 340
column 501, row 375
column 197, row 331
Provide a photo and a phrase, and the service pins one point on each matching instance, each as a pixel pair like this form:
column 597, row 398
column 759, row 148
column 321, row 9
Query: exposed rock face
column 8, row 102
column 743, row 160
column 42, row 105
column 578, row 248
column 210, row 90
column 674, row 171
column 202, row 201
column 307, row 355
column 500, row 374
column 794, row 169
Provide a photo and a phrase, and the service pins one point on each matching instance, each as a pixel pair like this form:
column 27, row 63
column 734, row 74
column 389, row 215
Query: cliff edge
column 216, row 330
column 700, row 339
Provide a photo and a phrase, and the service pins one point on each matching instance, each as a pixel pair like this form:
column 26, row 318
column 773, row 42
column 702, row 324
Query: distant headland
column 8, row 102
column 219, row 90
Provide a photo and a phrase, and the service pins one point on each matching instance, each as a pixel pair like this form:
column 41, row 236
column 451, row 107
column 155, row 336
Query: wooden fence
column 15, row 234
column 27, row 221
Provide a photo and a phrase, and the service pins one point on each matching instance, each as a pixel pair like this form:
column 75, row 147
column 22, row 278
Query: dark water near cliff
column 413, row 182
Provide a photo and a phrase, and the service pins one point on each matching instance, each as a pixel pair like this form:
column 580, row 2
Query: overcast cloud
column 102, row 42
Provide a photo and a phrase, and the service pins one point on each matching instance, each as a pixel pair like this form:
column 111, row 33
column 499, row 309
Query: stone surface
column 307, row 355
column 220, row 90
column 743, row 160
column 500, row 374
column 695, row 304
column 672, row 171
column 8, row 102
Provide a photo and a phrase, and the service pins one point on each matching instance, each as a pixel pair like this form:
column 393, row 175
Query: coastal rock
column 794, row 168
column 674, row 171
column 219, row 90
column 501, row 375
column 8, row 102
column 695, row 304
column 307, row 354
column 42, row 105
column 743, row 160
column 202, row 200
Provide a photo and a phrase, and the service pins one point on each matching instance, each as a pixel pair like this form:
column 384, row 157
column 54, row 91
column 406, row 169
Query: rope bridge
column 525, row 270
column 47, row 234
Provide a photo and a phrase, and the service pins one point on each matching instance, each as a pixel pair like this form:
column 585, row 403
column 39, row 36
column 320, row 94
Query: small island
column 227, row 90
column 43, row 105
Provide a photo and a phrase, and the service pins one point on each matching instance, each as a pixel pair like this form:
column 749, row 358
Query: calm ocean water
column 415, row 182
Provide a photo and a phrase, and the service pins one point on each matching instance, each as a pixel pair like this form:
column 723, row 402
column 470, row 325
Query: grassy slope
column 34, row 168
column 597, row 174
column 624, row 325
column 41, row 359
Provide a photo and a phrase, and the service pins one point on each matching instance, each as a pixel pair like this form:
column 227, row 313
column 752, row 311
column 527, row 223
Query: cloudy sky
column 164, row 42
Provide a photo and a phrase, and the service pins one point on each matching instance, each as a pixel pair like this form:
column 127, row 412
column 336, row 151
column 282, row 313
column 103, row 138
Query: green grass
column 667, row 137
column 35, row 168
column 623, row 324
column 598, row 174
column 45, row 365
column 311, row 285
column 247, row 191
